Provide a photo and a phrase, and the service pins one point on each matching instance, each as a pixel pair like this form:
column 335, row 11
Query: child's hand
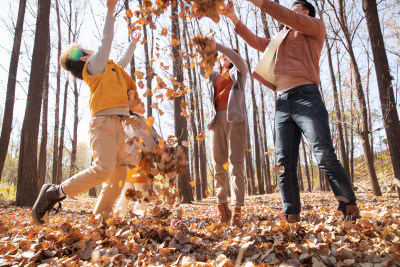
column 111, row 6
column 135, row 37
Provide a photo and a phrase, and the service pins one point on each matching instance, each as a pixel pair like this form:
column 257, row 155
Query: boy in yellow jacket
column 109, row 85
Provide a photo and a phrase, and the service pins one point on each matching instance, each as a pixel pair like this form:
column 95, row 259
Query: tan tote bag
column 264, row 71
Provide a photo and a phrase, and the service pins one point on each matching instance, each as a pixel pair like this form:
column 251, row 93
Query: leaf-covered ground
column 191, row 236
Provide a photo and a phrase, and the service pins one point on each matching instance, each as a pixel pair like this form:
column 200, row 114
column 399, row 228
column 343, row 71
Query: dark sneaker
column 352, row 213
column 49, row 195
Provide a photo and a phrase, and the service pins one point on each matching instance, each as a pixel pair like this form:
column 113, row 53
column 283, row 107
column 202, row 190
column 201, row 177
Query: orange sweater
column 222, row 88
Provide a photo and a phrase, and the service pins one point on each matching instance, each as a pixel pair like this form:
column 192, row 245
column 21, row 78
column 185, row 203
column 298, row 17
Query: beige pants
column 108, row 147
column 228, row 143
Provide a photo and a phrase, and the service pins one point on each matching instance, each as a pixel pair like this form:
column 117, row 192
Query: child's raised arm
column 124, row 61
column 99, row 59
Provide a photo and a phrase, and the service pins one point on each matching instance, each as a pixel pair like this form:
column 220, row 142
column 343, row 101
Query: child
column 108, row 102
column 139, row 142
column 228, row 124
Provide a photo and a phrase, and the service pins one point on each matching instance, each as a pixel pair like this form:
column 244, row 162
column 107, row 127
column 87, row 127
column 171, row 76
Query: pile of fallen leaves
column 190, row 235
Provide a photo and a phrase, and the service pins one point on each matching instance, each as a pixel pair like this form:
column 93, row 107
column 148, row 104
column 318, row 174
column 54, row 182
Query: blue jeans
column 301, row 111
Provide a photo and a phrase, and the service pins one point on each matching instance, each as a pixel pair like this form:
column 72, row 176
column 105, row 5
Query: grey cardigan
column 236, row 110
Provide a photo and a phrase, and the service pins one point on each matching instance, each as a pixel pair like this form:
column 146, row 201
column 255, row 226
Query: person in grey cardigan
column 228, row 127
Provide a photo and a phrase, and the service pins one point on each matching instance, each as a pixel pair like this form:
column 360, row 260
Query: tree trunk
column 12, row 80
column 249, row 165
column 260, row 179
column 386, row 95
column 43, row 143
column 362, row 104
column 306, row 165
column 57, row 101
column 300, row 176
column 267, row 162
column 73, row 169
column 203, row 151
column 132, row 63
column 181, row 131
column 27, row 165
column 62, row 135
column 338, row 113
column 192, row 122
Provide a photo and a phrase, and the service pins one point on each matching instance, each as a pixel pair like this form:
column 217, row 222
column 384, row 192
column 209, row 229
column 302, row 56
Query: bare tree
column 57, row 100
column 338, row 113
column 43, row 143
column 12, row 80
column 384, row 79
column 27, row 190
column 342, row 19
column 181, row 131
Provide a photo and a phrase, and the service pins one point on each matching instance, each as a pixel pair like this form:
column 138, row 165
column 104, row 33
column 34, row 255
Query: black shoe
column 49, row 195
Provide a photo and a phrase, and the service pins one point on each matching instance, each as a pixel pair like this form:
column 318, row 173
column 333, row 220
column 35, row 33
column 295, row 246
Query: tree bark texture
column 181, row 131
column 11, row 83
column 27, row 165
column 386, row 95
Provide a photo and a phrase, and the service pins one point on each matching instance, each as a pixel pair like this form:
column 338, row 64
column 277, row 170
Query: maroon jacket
column 299, row 52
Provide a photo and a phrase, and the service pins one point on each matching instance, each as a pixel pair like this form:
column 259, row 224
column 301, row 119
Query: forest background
column 170, row 85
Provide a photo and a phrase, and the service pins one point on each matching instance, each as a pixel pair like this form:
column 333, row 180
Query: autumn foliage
column 190, row 235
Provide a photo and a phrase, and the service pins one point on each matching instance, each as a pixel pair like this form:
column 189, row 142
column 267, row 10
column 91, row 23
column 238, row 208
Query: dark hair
column 220, row 67
column 70, row 60
column 306, row 5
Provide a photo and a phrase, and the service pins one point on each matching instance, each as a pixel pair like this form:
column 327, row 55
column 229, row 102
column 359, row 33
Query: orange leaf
column 226, row 165
column 192, row 183
column 128, row 12
column 175, row 42
column 164, row 32
column 201, row 136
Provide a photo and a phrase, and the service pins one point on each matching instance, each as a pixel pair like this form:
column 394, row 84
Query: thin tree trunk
column 306, row 165
column 181, row 131
column 300, row 176
column 43, row 143
column 192, row 122
column 11, row 83
column 132, row 63
column 203, row 151
column 73, row 169
column 249, row 164
column 362, row 104
column 384, row 79
column 27, row 190
column 62, row 135
column 57, row 101
column 260, row 179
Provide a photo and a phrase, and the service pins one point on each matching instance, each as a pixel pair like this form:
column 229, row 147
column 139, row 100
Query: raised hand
column 111, row 6
column 229, row 11
column 135, row 37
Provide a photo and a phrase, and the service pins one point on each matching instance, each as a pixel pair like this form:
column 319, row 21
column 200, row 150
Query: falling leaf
column 139, row 74
column 226, row 165
column 201, row 136
column 128, row 12
column 192, row 183
column 250, row 149
column 175, row 42
column 164, row 32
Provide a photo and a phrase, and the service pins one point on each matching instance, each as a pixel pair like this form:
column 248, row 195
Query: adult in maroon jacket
column 299, row 106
